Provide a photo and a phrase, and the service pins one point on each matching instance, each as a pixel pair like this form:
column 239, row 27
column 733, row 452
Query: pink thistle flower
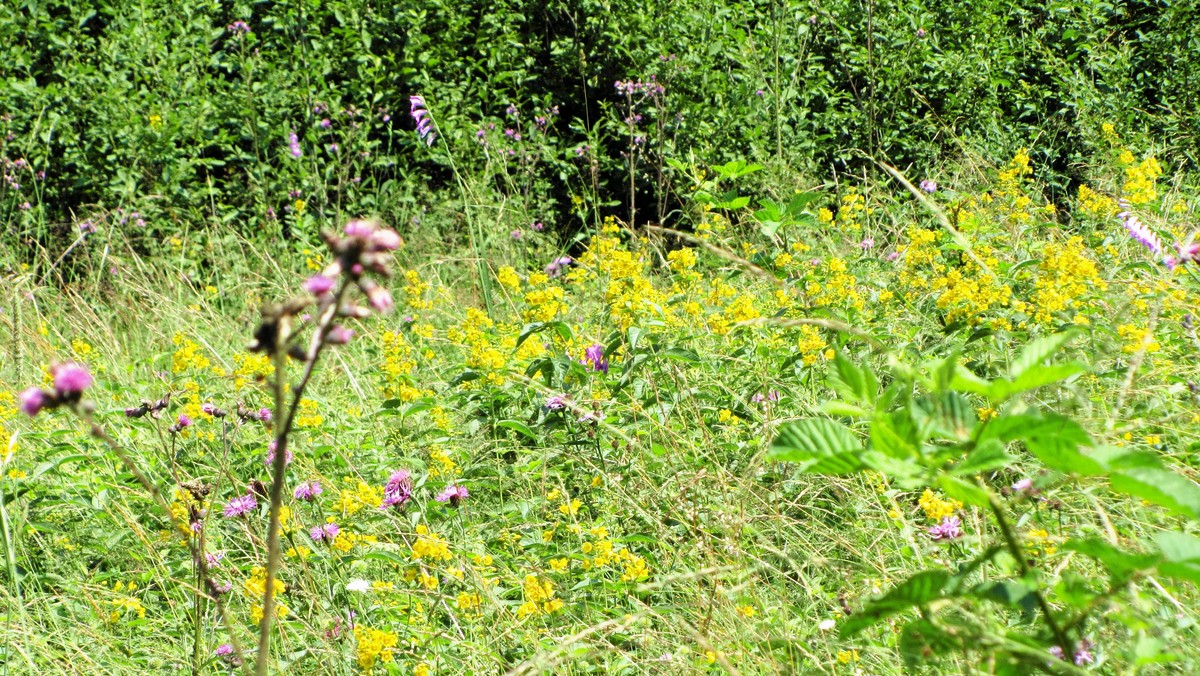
column 264, row 414
column 241, row 506
column 949, row 529
column 398, row 490
column 379, row 298
column 340, row 335
column 453, row 494
column 385, row 239
column 318, row 285
column 32, row 400
column 71, row 378
column 183, row 421
column 308, row 491
column 594, row 355
column 272, row 447
column 359, row 228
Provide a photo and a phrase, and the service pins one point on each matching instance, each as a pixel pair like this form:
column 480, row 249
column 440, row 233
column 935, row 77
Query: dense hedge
column 159, row 107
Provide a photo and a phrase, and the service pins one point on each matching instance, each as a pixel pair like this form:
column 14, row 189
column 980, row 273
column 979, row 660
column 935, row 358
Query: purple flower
column 385, row 239
column 516, row 234
column 214, row 559
column 557, row 402
column 1024, row 486
column 317, row 533
column 71, row 378
column 929, row 186
column 920, row 32
column 264, row 414
column 893, row 256
column 420, row 115
column 183, row 421
column 454, row 494
column 223, row 650
column 241, row 506
column 1142, row 234
column 32, row 400
column 867, row 244
column 87, row 227
column 325, row 124
column 294, row 145
column 238, row 28
column 209, row 408
column 949, row 529
column 398, row 490
column 308, row 491
column 272, row 447
column 594, row 355
column 380, row 298
column 759, row 398
column 537, row 226
column 318, row 284
column 340, row 335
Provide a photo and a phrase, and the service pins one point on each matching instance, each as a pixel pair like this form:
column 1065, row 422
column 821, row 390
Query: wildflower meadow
column 582, row 338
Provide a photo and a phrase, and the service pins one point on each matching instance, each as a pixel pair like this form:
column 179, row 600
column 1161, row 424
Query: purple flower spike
column 594, row 355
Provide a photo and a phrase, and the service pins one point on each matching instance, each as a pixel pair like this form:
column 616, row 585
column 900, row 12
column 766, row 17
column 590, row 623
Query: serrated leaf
column 1037, row 351
column 1059, row 453
column 817, row 444
column 856, row 384
column 1118, row 562
column 895, row 435
column 1161, row 487
column 987, row 456
column 949, row 415
column 964, row 491
column 917, row 590
column 1045, row 375
column 837, row 407
column 965, row 380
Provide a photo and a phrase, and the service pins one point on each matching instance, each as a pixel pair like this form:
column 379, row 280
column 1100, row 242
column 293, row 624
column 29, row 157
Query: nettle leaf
column 1038, row 351
column 1118, row 562
column 964, row 491
column 1051, row 438
column 819, row 445
column 895, row 434
column 918, row 590
column 1181, row 554
column 949, row 415
column 1045, row 375
column 1160, row 486
column 987, row 456
column 1061, row 454
column 856, row 384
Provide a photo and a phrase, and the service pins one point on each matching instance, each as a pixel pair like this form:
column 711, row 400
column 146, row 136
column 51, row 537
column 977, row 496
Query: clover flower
column 420, row 114
column 454, row 494
column 308, row 491
column 240, row 506
column 949, row 529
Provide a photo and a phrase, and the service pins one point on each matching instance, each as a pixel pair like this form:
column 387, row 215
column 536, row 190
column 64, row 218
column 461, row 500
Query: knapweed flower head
column 950, row 528
column 420, row 114
column 318, row 285
column 71, row 379
column 594, row 355
column 32, row 400
column 241, row 506
column 181, row 423
column 328, row 532
column 398, row 490
column 929, row 186
column 308, row 491
column 453, row 494
column 557, row 402
column 238, row 28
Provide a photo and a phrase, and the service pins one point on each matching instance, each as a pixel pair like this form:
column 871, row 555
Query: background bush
column 159, row 108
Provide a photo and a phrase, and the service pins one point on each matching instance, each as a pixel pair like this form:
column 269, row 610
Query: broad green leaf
column 1118, row 562
column 949, row 414
column 965, row 380
column 895, row 435
column 838, row 407
column 1181, row 554
column 918, row 590
column 518, row 426
column 681, row 354
column 818, row 444
column 1045, row 375
column 989, row 455
column 1037, row 351
column 856, row 384
column 1161, row 487
column 1059, row 453
column 964, row 491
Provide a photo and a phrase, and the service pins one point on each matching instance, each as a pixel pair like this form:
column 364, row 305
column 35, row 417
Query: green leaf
column 1182, row 556
column 949, row 415
column 820, row 445
column 964, row 491
column 1037, row 351
column 1059, row 453
column 855, row 384
column 1045, row 375
column 518, row 426
column 1118, row 562
column 894, row 434
column 987, row 456
column 682, row 354
column 838, row 407
column 1161, row 487
column 917, row 590
column 965, row 380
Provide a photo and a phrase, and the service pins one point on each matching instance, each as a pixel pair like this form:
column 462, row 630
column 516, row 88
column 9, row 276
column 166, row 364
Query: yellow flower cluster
column 969, row 292
column 430, row 546
column 1136, row 338
column 840, row 288
column 1040, row 543
column 507, row 276
column 1095, row 204
column 1065, row 274
column 415, row 289
column 1140, row 179
column 373, row 645
column 811, row 344
column 935, row 507
column 398, row 365
column 539, row 597
column 307, row 415
column 440, row 462
column 256, row 585
column 187, row 356
column 250, row 367
column 1011, row 176
column 350, row 501
column 851, row 211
